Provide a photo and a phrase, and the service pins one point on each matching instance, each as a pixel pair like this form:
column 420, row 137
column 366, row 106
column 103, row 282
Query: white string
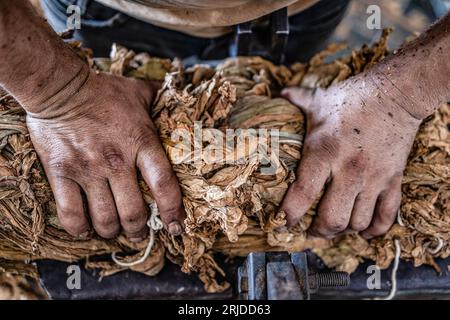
column 399, row 218
column 154, row 223
column 438, row 247
column 398, row 251
column 393, row 290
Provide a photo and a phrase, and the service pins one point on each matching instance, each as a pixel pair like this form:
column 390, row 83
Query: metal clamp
column 247, row 39
column 280, row 276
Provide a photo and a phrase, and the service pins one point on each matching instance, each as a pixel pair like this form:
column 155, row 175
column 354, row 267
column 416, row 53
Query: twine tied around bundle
column 154, row 224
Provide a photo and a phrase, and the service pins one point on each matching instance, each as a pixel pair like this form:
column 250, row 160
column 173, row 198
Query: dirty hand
column 91, row 143
column 356, row 148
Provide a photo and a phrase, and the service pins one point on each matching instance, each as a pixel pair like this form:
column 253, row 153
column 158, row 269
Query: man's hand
column 91, row 131
column 356, row 147
column 359, row 134
column 92, row 144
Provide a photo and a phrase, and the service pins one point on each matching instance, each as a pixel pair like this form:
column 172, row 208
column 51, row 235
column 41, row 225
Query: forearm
column 417, row 76
column 37, row 67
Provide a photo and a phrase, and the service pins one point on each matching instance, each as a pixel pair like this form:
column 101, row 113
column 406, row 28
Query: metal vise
column 283, row 276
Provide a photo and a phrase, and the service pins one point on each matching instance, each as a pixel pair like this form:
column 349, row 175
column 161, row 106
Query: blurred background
column 407, row 17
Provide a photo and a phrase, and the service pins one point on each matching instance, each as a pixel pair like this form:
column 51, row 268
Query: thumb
column 302, row 97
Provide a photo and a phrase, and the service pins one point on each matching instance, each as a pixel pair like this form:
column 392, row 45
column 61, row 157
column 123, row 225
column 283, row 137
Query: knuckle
column 360, row 225
column 72, row 222
column 324, row 146
column 356, row 164
column 386, row 218
column 107, row 232
column 133, row 216
column 353, row 173
column 333, row 224
column 133, row 221
column 113, row 157
column 68, row 167
column 65, row 209
column 106, row 221
column 171, row 213
column 162, row 186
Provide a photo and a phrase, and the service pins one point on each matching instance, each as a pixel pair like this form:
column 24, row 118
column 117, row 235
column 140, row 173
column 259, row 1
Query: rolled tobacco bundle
column 231, row 206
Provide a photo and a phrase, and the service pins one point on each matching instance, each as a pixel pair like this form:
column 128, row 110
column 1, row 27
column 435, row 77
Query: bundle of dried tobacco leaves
column 231, row 208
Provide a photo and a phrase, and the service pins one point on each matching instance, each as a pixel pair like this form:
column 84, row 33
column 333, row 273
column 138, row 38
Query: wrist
column 53, row 96
column 415, row 77
column 39, row 68
column 376, row 100
column 389, row 90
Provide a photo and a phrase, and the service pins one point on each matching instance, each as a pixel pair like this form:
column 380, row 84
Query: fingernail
column 175, row 228
column 137, row 239
column 84, row 235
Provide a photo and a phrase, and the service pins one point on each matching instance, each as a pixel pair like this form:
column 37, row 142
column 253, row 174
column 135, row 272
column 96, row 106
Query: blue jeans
column 102, row 26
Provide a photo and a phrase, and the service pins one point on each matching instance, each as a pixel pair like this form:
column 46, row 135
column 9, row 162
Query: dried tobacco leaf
column 231, row 208
column 19, row 281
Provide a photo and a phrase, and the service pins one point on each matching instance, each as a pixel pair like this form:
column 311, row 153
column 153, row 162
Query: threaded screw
column 328, row 280
column 332, row 279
